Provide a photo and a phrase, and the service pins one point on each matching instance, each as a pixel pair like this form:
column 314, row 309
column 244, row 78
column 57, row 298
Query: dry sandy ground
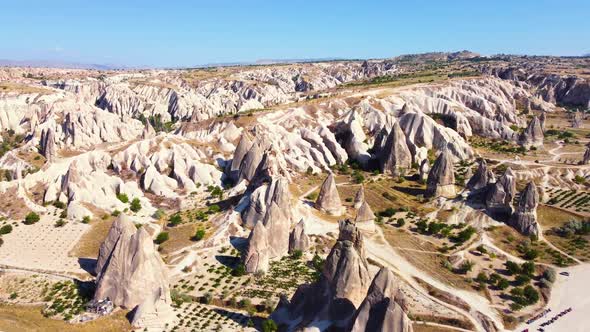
column 568, row 292
column 42, row 246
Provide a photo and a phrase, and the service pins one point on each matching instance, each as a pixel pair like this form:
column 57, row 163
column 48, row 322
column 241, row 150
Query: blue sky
column 186, row 33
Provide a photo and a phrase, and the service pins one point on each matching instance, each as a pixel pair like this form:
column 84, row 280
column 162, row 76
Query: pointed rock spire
column 250, row 163
column 328, row 200
column 586, row 158
column 364, row 214
column 424, row 169
column 340, row 289
column 381, row 310
column 524, row 218
column 148, row 130
column 132, row 270
column 257, row 256
column 359, row 198
column 542, row 119
column 395, row 155
column 47, row 144
column 499, row 197
column 441, row 178
column 298, row 240
column 481, row 178
column 242, row 149
column 532, row 135
column 277, row 224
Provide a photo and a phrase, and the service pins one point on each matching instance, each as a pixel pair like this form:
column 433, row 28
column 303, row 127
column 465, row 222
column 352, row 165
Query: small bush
column 199, row 234
column 59, row 205
column 175, row 219
column 123, row 197
column 135, row 205
column 162, row 237
column 31, row 218
column 60, row 223
column 269, row 326
column 116, row 213
column 86, row 219
column 239, row 270
column 5, row 229
column 297, row 254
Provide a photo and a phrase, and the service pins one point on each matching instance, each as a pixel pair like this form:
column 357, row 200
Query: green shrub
column 297, row 254
column 159, row 214
column 123, row 197
column 175, row 219
column 5, row 229
column 60, row 223
column 213, row 208
column 199, row 234
column 239, row 270
column 59, row 205
column 31, row 218
column 116, row 213
column 86, row 219
column 135, row 205
column 269, row 326
column 162, row 237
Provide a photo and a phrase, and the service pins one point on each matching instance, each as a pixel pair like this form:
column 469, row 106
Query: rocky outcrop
column 532, row 135
column 277, row 224
column 359, row 198
column 482, row 177
column 250, row 163
column 586, row 157
column 524, row 218
column 441, row 178
column 365, row 218
column 328, row 200
column 131, row 269
column 542, row 119
column 381, row 309
column 577, row 119
column 395, row 155
column 341, row 288
column 47, row 144
column 154, row 313
column 501, row 194
column 257, row 255
column 299, row 240
column 242, row 149
column 277, row 191
column 424, row 169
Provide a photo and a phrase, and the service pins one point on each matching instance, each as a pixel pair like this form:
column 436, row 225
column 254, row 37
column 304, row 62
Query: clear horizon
column 186, row 34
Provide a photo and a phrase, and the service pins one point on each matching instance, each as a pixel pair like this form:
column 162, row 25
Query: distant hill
column 56, row 64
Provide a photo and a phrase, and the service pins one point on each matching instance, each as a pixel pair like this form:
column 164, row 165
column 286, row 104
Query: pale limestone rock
column 359, row 198
column 328, row 200
column 257, row 256
column 299, row 240
column 381, row 310
column 441, row 178
column 133, row 269
column 395, row 155
column 524, row 218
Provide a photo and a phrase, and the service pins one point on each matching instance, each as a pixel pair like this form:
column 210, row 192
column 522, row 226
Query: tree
column 162, row 237
column 503, row 283
column 297, row 254
column 481, row 249
column 522, row 279
column 512, row 267
column 528, row 268
column 269, row 326
column 199, row 235
column 123, row 197
column 31, row 218
column 400, row 222
column 531, row 295
column 550, row 275
column 5, row 229
column 239, row 270
column 135, row 205
column 175, row 219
